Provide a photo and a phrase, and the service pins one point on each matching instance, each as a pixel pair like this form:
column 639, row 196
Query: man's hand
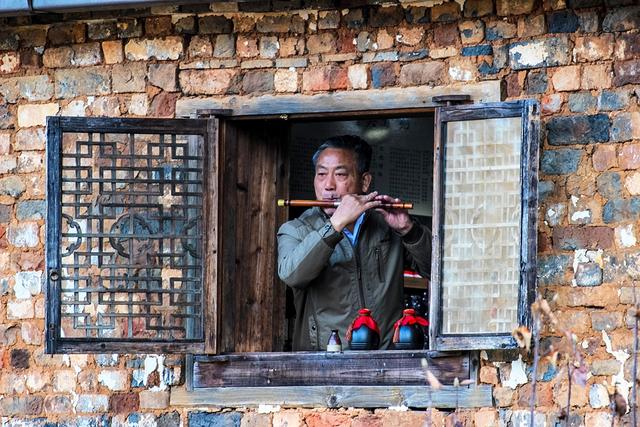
column 351, row 207
column 398, row 219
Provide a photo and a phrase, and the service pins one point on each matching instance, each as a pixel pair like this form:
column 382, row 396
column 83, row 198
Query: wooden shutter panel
column 484, row 223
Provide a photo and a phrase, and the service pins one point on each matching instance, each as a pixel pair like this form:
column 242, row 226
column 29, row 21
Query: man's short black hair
column 353, row 143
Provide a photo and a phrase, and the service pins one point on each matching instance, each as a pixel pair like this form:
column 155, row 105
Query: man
column 338, row 260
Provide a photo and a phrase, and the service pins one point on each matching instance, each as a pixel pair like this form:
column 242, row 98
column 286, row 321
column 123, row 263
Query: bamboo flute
column 335, row 204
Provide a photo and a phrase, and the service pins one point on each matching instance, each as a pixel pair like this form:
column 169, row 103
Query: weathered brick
column 31, row 333
column 629, row 156
column 106, row 106
column 200, row 47
column 114, row 379
column 551, row 103
column 20, row 358
column 281, row 24
column 358, row 76
column 12, row 186
column 205, row 419
column 162, row 76
column 581, row 102
column 214, row 24
column 626, row 72
column 247, row 47
column 124, row 403
column 578, row 129
column 168, row 48
column 354, row 19
column 477, row 8
column 547, row 52
column 28, row 405
column 531, row 26
column 617, row 210
column 254, row 82
column 445, row 12
column 610, row 100
column 291, row 46
column 112, row 52
column 589, row 21
column 9, row 40
column 571, row 238
column 92, row 403
column 329, row 19
column 32, row 36
column 575, row 321
column 562, row 21
column 446, row 35
column 413, row 56
column 205, row 82
column 489, row 375
column 478, row 50
column 498, row 30
column 514, row 7
column 163, row 105
column 321, row 43
column 386, row 16
column 591, row 49
column 31, row 88
column 604, row 157
column 82, row 82
column 605, row 321
column 598, row 396
column 596, row 77
column 170, row 419
column 325, row 78
column 424, row 73
column 285, row 80
column 128, row 77
column 9, row 62
column 225, row 46
column 417, row 15
column 628, row 46
column 536, row 82
column 186, row 25
column 552, row 269
column 299, row 62
column 157, row 26
column 384, row 74
column 610, row 185
column 129, row 28
column 363, row 41
column 57, row 404
column 622, row 19
column 101, row 30
column 588, row 274
column 471, row 32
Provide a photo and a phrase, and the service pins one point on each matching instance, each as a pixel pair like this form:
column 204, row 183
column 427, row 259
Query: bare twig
column 567, row 412
column 634, row 371
column 536, row 357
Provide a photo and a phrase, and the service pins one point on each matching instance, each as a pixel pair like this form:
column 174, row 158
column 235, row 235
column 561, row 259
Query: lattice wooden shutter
column 126, row 234
column 485, row 197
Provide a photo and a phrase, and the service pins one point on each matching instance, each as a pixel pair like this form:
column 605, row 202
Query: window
column 227, row 172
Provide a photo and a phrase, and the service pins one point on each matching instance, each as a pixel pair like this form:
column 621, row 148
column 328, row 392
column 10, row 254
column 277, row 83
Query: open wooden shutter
column 131, row 235
column 484, row 224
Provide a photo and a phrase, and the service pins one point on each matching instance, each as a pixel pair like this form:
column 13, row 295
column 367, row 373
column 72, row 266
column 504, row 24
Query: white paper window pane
column 481, row 233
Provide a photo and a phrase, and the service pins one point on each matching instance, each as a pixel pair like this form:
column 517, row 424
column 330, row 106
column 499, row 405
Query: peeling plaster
column 583, row 256
column 622, row 385
column 518, row 375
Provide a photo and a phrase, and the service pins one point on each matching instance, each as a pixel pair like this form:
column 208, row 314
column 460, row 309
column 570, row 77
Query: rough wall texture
column 580, row 58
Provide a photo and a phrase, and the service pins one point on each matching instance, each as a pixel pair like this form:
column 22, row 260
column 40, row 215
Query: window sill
column 448, row 397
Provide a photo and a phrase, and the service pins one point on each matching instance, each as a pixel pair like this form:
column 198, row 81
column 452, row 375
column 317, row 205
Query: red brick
column 327, row 419
column 163, row 105
column 489, row 375
column 604, row 157
column 326, row 78
column 628, row 46
column 629, row 156
column 598, row 296
column 446, row 35
column 626, row 72
column 544, row 394
column 591, row 49
column 569, row 238
column 124, row 403
column 368, row 420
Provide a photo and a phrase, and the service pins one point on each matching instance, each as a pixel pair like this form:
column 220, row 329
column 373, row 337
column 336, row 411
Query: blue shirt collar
column 353, row 237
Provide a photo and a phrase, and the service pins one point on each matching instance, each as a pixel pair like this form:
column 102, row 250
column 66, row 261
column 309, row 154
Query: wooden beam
column 344, row 101
column 336, row 396
column 393, row 367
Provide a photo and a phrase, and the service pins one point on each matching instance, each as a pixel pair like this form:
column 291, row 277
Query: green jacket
column 332, row 280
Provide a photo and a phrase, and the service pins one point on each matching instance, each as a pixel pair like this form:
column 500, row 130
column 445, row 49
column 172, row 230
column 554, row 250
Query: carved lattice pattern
column 481, row 233
column 131, row 236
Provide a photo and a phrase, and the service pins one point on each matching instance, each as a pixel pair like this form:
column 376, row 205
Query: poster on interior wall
column 402, row 163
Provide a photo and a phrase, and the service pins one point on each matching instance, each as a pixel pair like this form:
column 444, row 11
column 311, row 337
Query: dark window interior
column 402, row 167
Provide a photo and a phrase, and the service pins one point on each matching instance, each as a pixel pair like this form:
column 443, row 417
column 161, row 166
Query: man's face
column 337, row 175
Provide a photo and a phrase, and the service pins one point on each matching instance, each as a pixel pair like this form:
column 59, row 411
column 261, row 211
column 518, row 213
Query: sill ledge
column 336, row 396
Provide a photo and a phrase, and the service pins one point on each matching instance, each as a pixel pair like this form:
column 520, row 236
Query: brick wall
column 580, row 62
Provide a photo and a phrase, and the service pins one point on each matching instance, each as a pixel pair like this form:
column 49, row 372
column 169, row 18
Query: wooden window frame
column 58, row 125
column 528, row 110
